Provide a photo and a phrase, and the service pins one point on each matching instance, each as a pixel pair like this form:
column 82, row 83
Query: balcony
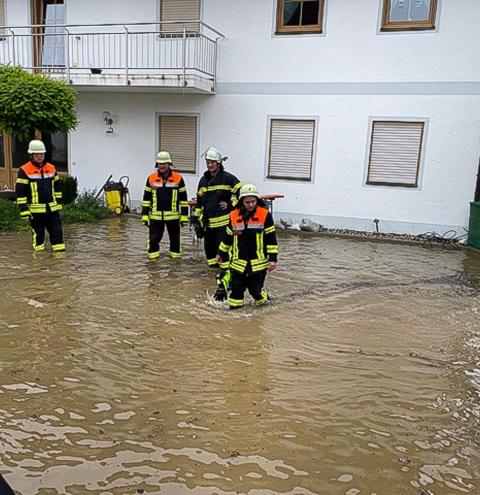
column 176, row 57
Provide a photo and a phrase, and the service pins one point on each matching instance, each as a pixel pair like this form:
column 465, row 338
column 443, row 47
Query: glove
column 27, row 217
column 146, row 220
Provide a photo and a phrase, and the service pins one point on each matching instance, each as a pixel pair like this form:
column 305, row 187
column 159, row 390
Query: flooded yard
column 121, row 376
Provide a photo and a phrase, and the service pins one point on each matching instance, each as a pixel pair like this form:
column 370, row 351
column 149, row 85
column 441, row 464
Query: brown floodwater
column 122, row 376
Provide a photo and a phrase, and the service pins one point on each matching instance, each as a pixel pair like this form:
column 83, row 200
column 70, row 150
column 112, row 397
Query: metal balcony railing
column 83, row 54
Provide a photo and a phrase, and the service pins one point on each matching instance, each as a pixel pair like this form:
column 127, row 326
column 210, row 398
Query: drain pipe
column 477, row 188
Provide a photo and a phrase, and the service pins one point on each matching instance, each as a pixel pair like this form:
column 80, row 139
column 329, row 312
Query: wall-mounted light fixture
column 107, row 118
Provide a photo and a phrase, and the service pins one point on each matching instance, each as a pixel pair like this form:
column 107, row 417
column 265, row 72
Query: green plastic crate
column 474, row 226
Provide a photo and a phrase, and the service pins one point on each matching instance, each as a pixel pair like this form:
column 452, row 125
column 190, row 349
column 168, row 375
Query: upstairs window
column 395, row 153
column 299, row 16
column 2, row 18
column 179, row 11
column 405, row 15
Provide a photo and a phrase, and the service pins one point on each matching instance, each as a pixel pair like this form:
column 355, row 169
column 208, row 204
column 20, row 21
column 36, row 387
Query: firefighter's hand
column 272, row 265
column 218, row 259
column 27, row 218
column 223, row 205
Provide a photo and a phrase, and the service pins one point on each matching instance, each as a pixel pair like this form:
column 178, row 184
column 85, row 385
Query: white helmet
column 213, row 154
column 36, row 146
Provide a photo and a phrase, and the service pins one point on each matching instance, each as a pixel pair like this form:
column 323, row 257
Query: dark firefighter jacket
column 250, row 240
column 211, row 191
column 165, row 199
column 38, row 189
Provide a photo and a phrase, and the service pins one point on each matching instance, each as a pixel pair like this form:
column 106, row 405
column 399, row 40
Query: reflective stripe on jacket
column 38, row 189
column 165, row 199
column 250, row 238
column 212, row 190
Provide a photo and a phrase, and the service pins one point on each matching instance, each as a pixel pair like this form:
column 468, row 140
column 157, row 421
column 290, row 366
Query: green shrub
column 86, row 208
column 69, row 188
column 10, row 217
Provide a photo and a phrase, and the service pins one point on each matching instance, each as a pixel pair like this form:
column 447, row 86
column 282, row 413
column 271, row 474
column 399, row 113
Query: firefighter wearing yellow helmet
column 38, row 197
column 165, row 205
column 251, row 241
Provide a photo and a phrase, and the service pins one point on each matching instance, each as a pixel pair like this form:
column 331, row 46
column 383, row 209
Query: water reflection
column 119, row 375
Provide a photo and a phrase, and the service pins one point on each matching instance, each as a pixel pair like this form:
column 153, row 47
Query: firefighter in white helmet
column 38, row 195
column 216, row 197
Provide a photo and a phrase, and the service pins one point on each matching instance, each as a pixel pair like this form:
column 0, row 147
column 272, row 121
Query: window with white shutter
column 291, row 149
column 395, row 152
column 178, row 136
column 2, row 17
column 179, row 10
column 407, row 15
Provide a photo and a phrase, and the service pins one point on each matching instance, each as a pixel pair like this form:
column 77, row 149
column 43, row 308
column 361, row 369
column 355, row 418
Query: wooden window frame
column 286, row 177
column 310, row 29
column 427, row 24
column 419, row 158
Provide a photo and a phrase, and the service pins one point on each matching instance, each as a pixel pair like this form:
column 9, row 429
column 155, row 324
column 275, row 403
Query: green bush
column 86, row 208
column 69, row 188
column 10, row 217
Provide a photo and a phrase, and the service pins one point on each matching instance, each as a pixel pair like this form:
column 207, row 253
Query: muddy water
column 120, row 376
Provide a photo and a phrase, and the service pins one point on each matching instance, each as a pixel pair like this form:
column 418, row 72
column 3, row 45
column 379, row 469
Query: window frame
column 420, row 157
column 306, row 118
column 280, row 29
column 428, row 24
column 158, row 116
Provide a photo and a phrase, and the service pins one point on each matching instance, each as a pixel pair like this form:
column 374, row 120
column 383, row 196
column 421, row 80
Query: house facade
column 354, row 111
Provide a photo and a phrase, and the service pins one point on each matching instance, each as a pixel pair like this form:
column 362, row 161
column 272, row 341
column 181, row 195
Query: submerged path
column 121, row 376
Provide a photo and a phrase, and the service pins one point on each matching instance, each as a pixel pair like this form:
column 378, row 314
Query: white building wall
column 338, row 196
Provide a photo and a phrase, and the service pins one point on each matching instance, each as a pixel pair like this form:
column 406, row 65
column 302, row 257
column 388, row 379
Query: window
column 395, row 152
column 2, row 18
column 57, row 151
column 178, row 136
column 291, row 149
column 179, row 10
column 299, row 16
column 404, row 15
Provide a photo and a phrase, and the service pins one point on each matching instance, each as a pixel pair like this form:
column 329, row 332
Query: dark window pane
column 310, row 13
column 2, row 152
column 19, row 152
column 57, row 150
column 291, row 13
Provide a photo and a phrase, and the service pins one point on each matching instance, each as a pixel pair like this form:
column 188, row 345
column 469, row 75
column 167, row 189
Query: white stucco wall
column 338, row 195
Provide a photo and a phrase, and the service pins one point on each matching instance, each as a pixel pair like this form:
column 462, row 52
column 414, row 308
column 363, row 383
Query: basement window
column 299, row 16
column 406, row 15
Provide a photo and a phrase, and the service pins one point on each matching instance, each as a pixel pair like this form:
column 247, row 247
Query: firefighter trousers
column 156, row 230
column 253, row 281
column 53, row 224
column 211, row 243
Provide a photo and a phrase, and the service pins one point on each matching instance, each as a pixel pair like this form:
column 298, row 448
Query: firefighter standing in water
column 250, row 238
column 216, row 190
column 38, row 193
column 164, row 204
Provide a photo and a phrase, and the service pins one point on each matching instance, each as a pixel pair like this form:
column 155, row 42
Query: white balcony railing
column 167, row 54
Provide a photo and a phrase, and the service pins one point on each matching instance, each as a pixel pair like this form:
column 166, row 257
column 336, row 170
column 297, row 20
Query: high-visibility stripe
column 223, row 247
column 184, row 203
column 174, row 255
column 235, row 303
column 229, row 231
column 34, row 189
column 37, row 208
column 236, row 187
column 55, row 207
column 166, row 215
column 58, row 247
column 263, row 298
column 148, row 189
column 197, row 212
column 272, row 249
column 201, row 191
column 154, row 255
column 270, row 229
column 259, row 238
column 174, row 199
column 23, row 181
column 221, row 187
column 182, row 189
column 22, row 201
column 154, row 202
column 212, row 262
column 146, row 203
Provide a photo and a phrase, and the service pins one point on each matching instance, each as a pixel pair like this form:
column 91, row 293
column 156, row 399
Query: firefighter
column 38, row 195
column 215, row 199
column 164, row 204
column 251, row 240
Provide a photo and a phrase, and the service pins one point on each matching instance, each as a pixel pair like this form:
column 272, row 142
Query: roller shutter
column 395, row 153
column 179, row 10
column 291, row 149
column 2, row 17
column 178, row 135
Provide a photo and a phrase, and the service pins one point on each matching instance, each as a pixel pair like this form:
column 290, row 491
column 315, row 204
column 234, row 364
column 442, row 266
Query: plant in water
column 10, row 217
column 69, row 188
column 86, row 208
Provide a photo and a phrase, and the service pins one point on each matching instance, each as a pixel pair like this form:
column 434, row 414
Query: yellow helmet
column 36, row 146
column 164, row 157
column 248, row 190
